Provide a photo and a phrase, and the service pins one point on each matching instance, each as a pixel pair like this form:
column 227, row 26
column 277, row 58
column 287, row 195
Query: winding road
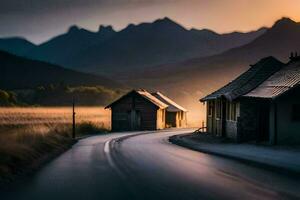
column 144, row 165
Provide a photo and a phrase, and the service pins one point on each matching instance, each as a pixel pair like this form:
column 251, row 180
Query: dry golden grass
column 53, row 115
column 30, row 135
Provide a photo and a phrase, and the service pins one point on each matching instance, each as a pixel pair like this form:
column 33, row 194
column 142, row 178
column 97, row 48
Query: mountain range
column 206, row 74
column 22, row 73
column 162, row 55
column 278, row 41
column 139, row 46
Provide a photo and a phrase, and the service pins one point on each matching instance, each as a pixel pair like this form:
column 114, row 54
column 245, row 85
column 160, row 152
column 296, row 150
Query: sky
column 39, row 20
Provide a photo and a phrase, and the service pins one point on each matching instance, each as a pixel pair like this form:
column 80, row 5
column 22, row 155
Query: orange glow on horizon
column 221, row 16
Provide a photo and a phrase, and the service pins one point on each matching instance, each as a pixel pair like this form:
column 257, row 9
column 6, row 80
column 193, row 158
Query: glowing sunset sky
column 38, row 20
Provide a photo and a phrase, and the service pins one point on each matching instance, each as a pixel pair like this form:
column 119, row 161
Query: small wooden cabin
column 261, row 105
column 141, row 110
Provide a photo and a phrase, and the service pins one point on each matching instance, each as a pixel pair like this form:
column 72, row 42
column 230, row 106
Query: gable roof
column 145, row 94
column 279, row 83
column 249, row 80
column 172, row 106
column 152, row 98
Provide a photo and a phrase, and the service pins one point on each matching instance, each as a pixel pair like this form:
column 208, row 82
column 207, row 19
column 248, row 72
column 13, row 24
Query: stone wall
column 231, row 130
column 248, row 123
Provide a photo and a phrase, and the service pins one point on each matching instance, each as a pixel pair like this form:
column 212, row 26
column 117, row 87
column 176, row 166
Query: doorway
column 263, row 121
column 134, row 119
column 171, row 119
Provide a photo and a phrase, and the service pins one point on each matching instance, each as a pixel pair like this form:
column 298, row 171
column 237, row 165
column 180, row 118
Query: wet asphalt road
column 144, row 165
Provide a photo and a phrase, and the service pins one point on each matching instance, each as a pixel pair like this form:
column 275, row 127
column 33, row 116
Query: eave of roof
column 247, row 81
column 143, row 93
column 152, row 98
column 172, row 106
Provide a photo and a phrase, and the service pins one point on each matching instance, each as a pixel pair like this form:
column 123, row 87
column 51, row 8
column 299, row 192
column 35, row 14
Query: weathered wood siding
column 181, row 119
column 161, row 119
column 210, row 116
column 217, row 122
column 176, row 119
column 121, row 113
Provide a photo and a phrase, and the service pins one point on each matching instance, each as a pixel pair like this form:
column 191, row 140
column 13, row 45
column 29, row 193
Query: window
column 296, row 112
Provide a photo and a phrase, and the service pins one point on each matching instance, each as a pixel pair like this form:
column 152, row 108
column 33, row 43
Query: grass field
column 53, row 115
column 29, row 136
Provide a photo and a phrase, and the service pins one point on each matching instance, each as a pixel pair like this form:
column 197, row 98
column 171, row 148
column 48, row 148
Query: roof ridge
column 230, row 82
column 259, row 69
column 151, row 97
column 145, row 94
column 278, row 83
column 170, row 101
column 248, row 80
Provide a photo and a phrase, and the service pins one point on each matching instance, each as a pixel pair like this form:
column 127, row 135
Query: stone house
column 262, row 104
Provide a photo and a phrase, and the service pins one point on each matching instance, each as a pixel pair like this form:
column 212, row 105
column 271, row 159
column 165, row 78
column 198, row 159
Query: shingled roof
column 279, row 83
column 249, row 80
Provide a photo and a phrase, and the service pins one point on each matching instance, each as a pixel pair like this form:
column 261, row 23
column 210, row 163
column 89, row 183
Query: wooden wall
column 121, row 113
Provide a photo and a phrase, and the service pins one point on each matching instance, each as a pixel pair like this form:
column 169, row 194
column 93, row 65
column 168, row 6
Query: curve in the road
column 156, row 169
column 144, row 165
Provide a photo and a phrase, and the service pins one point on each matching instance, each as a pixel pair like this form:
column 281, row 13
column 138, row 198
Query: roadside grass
column 90, row 128
column 25, row 148
column 30, row 138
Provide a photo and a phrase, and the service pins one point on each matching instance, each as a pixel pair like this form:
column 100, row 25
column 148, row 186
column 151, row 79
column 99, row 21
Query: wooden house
column 263, row 104
column 141, row 110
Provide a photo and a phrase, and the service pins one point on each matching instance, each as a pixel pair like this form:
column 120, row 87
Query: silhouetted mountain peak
column 284, row 22
column 166, row 21
column 105, row 29
column 130, row 26
column 206, row 31
column 73, row 29
column 159, row 24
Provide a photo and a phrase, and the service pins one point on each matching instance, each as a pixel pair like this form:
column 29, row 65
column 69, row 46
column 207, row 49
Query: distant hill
column 15, row 45
column 21, row 73
column 135, row 47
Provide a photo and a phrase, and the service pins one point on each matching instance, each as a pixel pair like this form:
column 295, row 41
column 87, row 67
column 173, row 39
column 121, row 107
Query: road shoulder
column 279, row 159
